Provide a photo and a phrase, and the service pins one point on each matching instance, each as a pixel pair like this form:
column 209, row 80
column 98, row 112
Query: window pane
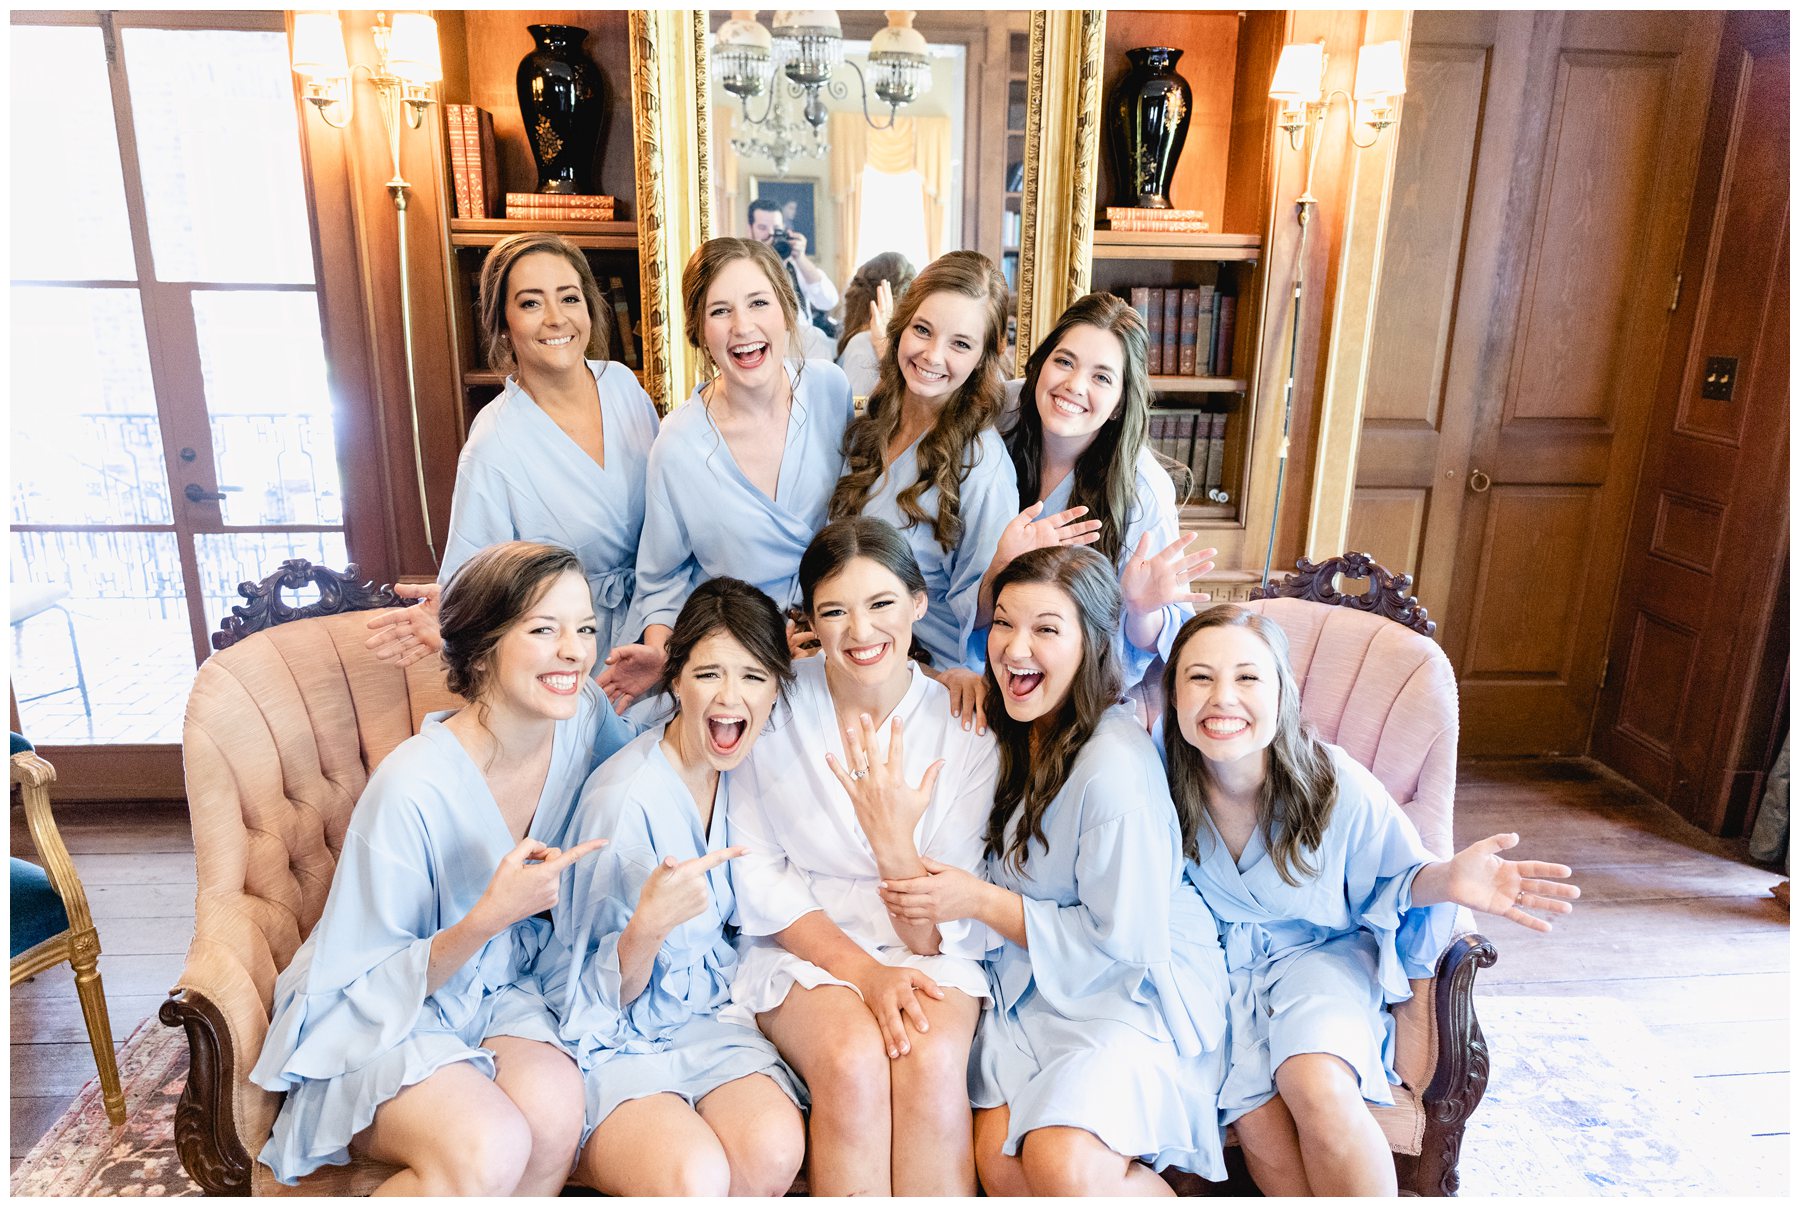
column 239, row 557
column 86, row 445
column 219, row 146
column 101, row 646
column 263, row 360
column 68, row 190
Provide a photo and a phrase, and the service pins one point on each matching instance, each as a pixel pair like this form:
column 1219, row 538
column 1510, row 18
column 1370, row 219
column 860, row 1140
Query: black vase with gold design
column 1148, row 116
column 561, row 101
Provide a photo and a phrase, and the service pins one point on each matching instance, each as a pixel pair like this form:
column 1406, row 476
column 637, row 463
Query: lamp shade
column 319, row 46
column 1299, row 74
column 1380, row 72
column 413, row 48
column 899, row 37
column 743, row 30
column 809, row 20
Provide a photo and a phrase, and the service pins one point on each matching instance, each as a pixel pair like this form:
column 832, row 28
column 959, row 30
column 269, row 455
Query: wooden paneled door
column 1699, row 649
column 1539, row 213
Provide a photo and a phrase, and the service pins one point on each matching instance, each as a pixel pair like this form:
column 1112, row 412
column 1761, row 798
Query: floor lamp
column 406, row 67
column 1299, row 85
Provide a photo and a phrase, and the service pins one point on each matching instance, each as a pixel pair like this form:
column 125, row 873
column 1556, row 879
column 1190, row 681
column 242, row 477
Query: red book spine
column 1190, row 328
column 1171, row 331
column 1155, row 321
column 485, row 180
column 459, row 159
column 1140, row 302
column 1227, row 322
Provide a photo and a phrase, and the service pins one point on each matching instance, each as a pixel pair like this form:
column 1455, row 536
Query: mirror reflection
column 867, row 141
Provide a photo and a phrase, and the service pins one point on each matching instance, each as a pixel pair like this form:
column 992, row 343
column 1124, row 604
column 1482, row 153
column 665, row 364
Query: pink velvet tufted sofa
column 284, row 727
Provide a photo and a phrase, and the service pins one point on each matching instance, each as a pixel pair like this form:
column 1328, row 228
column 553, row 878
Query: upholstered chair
column 50, row 919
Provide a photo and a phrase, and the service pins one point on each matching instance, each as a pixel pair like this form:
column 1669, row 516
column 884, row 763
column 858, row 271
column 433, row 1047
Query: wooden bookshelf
column 592, row 236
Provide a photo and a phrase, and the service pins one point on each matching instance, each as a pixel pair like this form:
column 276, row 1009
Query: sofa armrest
column 1442, row 1053
column 222, row 1117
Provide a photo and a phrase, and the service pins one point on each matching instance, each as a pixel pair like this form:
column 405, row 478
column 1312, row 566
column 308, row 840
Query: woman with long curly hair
column 1328, row 901
column 742, row 472
column 1102, row 1046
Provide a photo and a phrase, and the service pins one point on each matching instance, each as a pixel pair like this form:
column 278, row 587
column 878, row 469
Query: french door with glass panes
column 173, row 433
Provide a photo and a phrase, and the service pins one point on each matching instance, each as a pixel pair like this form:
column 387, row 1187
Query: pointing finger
column 713, row 859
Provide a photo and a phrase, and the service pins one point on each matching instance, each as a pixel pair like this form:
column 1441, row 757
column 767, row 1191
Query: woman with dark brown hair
column 1079, row 444
column 1103, row 1043
column 1328, row 902
column 407, row 1027
column 560, row 455
column 741, row 473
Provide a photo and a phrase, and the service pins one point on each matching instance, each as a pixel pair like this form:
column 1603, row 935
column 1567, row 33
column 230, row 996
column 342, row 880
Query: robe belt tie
column 611, row 588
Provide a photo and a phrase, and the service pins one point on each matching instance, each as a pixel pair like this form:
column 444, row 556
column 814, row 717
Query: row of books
column 562, row 207
column 1196, row 441
column 475, row 178
column 474, row 164
column 1130, row 218
column 1191, row 330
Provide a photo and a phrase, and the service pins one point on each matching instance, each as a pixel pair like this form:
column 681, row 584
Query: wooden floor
column 1672, row 922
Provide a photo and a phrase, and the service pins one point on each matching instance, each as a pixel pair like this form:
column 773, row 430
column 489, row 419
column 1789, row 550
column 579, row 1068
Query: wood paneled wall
column 1534, row 242
column 1700, row 646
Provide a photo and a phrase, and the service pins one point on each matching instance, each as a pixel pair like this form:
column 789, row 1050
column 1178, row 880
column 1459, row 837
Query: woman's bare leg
column 655, row 1146
column 545, row 1084
column 1001, row 1176
column 761, row 1131
column 831, row 1040
column 934, row 1138
column 455, row 1133
column 1341, row 1145
column 1271, row 1148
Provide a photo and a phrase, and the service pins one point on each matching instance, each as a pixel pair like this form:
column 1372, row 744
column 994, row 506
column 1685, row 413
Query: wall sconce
column 407, row 66
column 807, row 46
column 1299, row 84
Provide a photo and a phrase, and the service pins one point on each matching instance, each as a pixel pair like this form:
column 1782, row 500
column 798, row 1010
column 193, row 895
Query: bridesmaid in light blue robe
column 1100, row 1053
column 940, row 374
column 1083, row 410
column 354, row 1020
column 1313, row 966
column 642, row 958
column 669, row 1038
column 704, row 517
column 1112, row 1019
column 1328, row 900
column 520, row 477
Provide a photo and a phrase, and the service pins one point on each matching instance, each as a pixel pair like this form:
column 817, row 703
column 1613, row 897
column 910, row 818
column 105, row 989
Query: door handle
column 1479, row 482
column 197, row 495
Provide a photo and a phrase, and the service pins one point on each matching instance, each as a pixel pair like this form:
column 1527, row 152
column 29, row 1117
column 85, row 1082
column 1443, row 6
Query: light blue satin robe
column 352, row 1023
column 1312, row 967
column 703, row 518
column 990, row 499
column 520, row 477
column 1112, row 1017
column 669, row 1038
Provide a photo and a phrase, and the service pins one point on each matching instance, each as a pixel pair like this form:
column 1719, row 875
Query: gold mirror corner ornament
column 1062, row 158
column 669, row 110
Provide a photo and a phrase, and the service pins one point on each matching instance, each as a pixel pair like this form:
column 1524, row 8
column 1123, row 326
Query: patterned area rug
column 83, row 1154
column 1582, row 1101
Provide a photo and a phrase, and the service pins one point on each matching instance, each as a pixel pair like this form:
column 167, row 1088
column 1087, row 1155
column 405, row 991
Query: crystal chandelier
column 805, row 48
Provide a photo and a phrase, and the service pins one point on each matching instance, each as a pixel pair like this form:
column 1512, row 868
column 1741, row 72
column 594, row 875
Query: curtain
column 920, row 144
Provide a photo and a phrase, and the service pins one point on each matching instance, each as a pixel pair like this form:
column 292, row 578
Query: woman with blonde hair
column 741, row 474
